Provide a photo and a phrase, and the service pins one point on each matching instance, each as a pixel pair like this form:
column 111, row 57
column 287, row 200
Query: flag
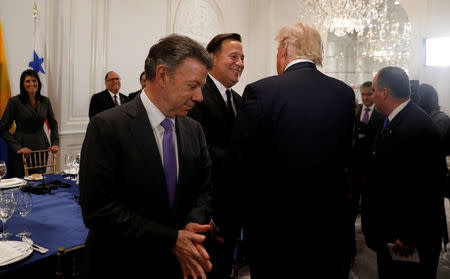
column 37, row 62
column 5, row 91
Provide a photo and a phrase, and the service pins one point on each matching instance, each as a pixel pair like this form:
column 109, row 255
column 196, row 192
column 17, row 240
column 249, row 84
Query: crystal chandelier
column 381, row 27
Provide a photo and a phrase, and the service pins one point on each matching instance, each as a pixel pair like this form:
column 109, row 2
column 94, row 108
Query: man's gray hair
column 171, row 52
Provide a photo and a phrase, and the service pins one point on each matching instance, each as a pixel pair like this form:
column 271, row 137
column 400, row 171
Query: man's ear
column 162, row 75
column 386, row 93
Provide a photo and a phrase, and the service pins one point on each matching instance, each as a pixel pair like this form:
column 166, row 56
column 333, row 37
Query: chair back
column 39, row 161
column 68, row 262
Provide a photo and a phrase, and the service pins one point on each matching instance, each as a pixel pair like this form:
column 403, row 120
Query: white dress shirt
column 397, row 110
column 156, row 117
column 297, row 61
column 222, row 89
column 363, row 111
column 118, row 97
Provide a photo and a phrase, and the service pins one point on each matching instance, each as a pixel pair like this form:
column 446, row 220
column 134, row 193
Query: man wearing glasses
column 108, row 98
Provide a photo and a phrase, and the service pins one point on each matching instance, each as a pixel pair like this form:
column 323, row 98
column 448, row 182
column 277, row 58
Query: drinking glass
column 76, row 165
column 68, row 159
column 23, row 206
column 2, row 169
column 7, row 207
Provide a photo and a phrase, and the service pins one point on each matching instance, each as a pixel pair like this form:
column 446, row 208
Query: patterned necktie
column 115, row 101
column 170, row 160
column 366, row 115
column 385, row 124
column 230, row 106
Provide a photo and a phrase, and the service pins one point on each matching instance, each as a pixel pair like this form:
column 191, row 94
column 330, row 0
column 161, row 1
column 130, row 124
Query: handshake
column 191, row 254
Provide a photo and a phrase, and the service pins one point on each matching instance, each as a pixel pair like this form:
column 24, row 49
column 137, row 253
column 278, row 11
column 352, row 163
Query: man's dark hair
column 171, row 52
column 106, row 76
column 395, row 80
column 367, row 84
column 215, row 45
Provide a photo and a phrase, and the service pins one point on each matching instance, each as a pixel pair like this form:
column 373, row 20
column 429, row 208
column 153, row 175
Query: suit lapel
column 215, row 95
column 142, row 133
column 108, row 98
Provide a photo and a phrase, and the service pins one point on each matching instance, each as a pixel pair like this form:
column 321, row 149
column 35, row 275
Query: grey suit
column 29, row 129
column 124, row 198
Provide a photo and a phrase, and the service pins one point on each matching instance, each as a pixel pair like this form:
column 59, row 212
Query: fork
column 35, row 247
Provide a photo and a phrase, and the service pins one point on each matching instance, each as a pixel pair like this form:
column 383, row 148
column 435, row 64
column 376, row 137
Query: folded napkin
column 5, row 183
column 9, row 250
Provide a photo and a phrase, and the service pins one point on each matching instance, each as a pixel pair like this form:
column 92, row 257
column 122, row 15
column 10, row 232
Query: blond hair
column 305, row 41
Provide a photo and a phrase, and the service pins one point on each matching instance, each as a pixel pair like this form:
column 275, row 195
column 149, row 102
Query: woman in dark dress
column 28, row 110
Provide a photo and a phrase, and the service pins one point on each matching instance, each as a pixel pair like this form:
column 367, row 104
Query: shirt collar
column 397, row 110
column 220, row 87
column 154, row 114
column 371, row 107
column 297, row 61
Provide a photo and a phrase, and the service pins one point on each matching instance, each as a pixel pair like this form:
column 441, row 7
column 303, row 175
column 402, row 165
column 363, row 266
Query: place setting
column 9, row 182
column 15, row 250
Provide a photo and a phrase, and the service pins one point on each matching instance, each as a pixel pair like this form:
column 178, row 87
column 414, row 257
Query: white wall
column 87, row 38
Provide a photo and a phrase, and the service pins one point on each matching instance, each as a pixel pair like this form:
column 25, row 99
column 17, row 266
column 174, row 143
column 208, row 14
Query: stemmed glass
column 2, row 169
column 7, row 207
column 76, row 164
column 23, row 206
column 68, row 158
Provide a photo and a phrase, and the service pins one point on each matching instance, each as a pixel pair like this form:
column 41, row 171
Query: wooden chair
column 39, row 161
column 68, row 262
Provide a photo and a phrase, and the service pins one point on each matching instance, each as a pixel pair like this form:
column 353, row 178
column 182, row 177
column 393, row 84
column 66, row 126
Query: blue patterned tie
column 386, row 122
column 170, row 160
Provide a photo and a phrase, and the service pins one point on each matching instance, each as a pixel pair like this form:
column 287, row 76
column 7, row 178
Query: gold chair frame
column 39, row 159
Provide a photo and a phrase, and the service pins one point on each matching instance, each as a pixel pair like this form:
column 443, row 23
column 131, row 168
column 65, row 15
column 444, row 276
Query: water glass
column 7, row 207
column 23, row 206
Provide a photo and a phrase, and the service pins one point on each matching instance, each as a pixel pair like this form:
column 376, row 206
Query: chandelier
column 381, row 27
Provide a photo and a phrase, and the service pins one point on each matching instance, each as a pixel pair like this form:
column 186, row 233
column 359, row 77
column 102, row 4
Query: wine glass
column 23, row 206
column 7, row 207
column 76, row 165
column 68, row 159
column 2, row 169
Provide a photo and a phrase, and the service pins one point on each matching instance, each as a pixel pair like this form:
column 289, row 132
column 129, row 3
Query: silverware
column 35, row 247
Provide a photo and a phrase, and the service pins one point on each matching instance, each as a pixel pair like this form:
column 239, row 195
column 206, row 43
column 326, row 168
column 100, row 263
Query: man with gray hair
column 145, row 174
column 403, row 207
column 288, row 151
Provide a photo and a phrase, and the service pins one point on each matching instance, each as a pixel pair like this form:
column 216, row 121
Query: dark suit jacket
column 212, row 114
column 289, row 150
column 134, row 94
column 123, row 192
column 404, row 198
column 102, row 101
column 364, row 136
column 29, row 129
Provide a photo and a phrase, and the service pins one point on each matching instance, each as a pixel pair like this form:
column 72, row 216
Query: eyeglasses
column 113, row 79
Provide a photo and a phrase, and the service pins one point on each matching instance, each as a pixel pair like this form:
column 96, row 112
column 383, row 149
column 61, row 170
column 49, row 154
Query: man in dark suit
column 145, row 174
column 289, row 152
column 367, row 123
column 216, row 114
column 403, row 204
column 142, row 80
column 108, row 98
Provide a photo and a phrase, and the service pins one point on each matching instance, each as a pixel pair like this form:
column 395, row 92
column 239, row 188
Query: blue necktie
column 170, row 160
column 385, row 123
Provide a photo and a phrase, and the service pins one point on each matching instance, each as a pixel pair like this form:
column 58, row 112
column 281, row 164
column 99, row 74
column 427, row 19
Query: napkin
column 8, row 251
column 5, row 183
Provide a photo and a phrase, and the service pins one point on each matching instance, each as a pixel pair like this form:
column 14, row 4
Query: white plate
column 24, row 250
column 71, row 171
column 31, row 178
column 12, row 183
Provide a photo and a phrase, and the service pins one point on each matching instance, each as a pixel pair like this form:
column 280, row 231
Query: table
column 54, row 221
